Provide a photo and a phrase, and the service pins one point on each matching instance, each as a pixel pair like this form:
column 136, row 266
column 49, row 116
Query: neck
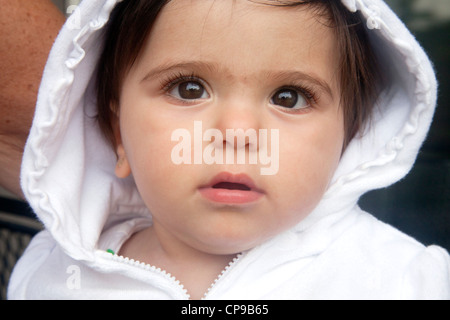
column 196, row 270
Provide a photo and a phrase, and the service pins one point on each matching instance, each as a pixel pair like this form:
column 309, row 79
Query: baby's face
column 228, row 65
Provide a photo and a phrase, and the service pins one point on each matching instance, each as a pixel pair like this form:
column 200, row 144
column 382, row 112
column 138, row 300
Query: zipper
column 109, row 254
column 166, row 275
column 222, row 274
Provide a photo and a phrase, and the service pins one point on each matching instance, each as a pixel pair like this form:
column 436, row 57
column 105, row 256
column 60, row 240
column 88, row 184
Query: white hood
column 68, row 168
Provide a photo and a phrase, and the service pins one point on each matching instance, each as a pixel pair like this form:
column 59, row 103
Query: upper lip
column 240, row 181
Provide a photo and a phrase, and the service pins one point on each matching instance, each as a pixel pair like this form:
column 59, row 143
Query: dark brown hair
column 131, row 21
column 128, row 27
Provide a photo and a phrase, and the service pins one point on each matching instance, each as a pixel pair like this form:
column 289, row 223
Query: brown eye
column 189, row 90
column 288, row 98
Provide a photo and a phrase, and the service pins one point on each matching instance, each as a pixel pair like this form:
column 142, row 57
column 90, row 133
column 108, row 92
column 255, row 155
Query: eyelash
column 172, row 80
column 169, row 82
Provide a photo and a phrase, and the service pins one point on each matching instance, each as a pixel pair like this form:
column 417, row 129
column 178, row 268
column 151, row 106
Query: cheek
column 148, row 147
column 309, row 157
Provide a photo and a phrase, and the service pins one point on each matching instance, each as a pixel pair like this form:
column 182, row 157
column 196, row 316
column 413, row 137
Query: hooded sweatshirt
column 337, row 252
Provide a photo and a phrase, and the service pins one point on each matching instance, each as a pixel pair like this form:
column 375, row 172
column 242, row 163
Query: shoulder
column 30, row 262
column 383, row 238
column 422, row 272
column 428, row 275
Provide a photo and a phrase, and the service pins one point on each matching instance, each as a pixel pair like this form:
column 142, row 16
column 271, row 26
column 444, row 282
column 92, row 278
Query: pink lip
column 228, row 188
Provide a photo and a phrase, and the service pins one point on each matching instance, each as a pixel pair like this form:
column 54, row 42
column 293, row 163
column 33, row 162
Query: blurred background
column 419, row 205
column 64, row 5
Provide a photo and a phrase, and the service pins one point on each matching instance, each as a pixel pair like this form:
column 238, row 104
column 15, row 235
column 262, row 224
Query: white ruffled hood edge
column 68, row 169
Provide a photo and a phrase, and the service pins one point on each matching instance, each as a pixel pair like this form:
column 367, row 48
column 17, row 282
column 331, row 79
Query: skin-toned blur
column 27, row 32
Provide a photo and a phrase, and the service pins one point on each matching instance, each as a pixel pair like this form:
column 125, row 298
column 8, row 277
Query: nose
column 238, row 116
column 239, row 121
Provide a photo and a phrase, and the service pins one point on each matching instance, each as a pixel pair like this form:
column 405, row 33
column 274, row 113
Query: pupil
column 191, row 90
column 286, row 98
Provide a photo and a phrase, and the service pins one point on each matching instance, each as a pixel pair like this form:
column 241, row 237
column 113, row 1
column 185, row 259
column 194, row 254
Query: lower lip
column 230, row 196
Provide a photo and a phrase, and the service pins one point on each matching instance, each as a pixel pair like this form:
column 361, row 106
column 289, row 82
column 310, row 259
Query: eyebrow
column 289, row 75
column 168, row 67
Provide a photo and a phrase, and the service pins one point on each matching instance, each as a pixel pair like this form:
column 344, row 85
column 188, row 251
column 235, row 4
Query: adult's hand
column 27, row 32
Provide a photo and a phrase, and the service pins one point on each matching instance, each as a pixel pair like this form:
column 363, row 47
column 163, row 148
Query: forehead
column 243, row 37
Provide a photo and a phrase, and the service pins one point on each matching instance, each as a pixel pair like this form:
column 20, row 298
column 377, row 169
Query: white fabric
column 337, row 252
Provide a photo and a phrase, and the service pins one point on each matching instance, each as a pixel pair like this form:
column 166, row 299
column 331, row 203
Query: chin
column 221, row 243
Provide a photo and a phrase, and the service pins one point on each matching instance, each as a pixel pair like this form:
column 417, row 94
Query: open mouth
column 231, row 189
column 231, row 186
